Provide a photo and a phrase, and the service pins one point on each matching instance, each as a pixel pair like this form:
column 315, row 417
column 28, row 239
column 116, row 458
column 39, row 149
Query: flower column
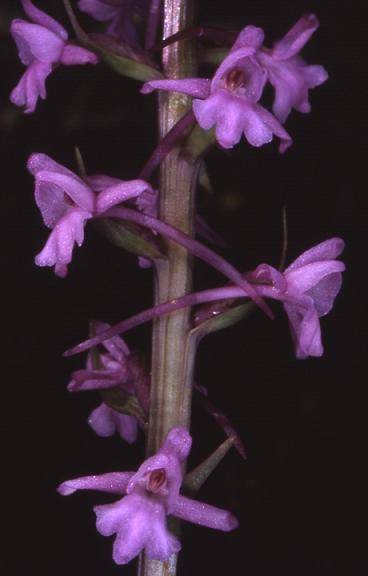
column 170, row 392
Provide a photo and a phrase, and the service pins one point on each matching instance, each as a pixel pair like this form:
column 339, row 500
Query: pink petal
column 35, row 42
column 106, row 422
column 204, row 514
column 73, row 55
column 196, row 87
column 249, row 36
column 39, row 17
column 327, row 250
column 305, row 277
column 112, row 482
column 305, row 328
column 102, row 421
column 296, row 38
column 119, row 193
column 71, row 185
column 274, row 125
column 59, row 247
column 31, row 86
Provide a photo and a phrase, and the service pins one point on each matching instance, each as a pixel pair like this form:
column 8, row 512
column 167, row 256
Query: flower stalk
column 170, row 392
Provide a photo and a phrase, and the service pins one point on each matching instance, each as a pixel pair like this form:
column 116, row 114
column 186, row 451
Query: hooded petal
column 327, row 250
column 71, row 185
column 204, row 514
column 296, row 38
column 306, row 277
column 74, row 55
column 119, row 193
column 196, row 87
column 50, row 197
column 59, row 247
column 112, row 482
column 246, row 45
column 39, row 17
column 35, row 42
column 31, row 86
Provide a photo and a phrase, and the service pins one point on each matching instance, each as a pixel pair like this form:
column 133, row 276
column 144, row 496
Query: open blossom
column 230, row 101
column 308, row 288
column 119, row 14
column 150, row 495
column 67, row 202
column 119, row 369
column 42, row 44
column 288, row 73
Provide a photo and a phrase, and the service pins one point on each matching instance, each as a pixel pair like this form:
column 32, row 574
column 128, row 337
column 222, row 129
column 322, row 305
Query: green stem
column 171, row 388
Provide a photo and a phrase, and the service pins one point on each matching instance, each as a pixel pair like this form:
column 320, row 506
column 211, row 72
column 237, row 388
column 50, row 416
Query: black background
column 295, row 417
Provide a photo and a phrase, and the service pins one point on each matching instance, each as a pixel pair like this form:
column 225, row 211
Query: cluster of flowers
column 230, row 102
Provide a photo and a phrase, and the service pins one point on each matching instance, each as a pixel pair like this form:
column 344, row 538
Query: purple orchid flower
column 230, row 100
column 67, row 202
column 288, row 73
column 118, row 369
column 42, row 45
column 150, row 495
column 307, row 289
column 120, row 15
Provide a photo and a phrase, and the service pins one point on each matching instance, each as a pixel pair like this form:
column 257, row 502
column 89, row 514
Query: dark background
column 297, row 418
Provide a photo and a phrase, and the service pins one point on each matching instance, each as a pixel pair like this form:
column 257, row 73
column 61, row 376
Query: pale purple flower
column 117, row 368
column 150, row 495
column 307, row 288
column 66, row 203
column 42, row 45
column 119, row 14
column 288, row 73
column 230, row 101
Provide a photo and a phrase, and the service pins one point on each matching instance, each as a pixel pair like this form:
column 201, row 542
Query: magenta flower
column 118, row 368
column 288, row 73
column 119, row 14
column 230, row 101
column 308, row 288
column 150, row 495
column 42, row 45
column 67, row 202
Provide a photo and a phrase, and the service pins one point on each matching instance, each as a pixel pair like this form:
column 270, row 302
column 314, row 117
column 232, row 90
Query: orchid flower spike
column 117, row 368
column 288, row 73
column 230, row 101
column 149, row 496
column 67, row 202
column 42, row 45
column 308, row 288
column 119, row 14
